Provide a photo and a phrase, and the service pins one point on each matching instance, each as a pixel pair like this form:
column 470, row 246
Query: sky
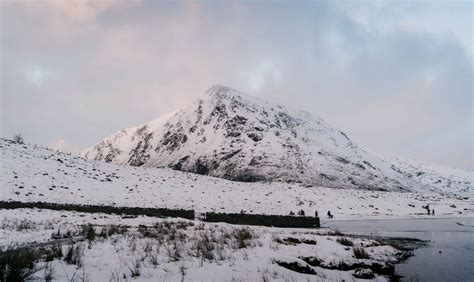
column 396, row 76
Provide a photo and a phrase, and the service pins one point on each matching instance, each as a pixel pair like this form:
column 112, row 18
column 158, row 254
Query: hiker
column 316, row 214
column 329, row 214
column 432, row 212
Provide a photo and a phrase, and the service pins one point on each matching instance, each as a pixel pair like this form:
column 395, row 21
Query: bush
column 90, row 234
column 18, row 138
column 360, row 253
column 135, row 268
column 243, row 236
column 74, row 254
column 205, row 247
column 155, row 257
column 56, row 251
column 345, row 242
column 175, row 252
column 18, row 264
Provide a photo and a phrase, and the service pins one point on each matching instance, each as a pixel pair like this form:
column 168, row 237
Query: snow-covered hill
column 231, row 135
column 31, row 174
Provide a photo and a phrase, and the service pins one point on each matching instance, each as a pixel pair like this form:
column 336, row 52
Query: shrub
column 103, row 232
column 25, row 225
column 135, row 268
column 18, row 138
column 345, row 242
column 90, row 233
column 242, row 237
column 183, row 224
column 360, row 253
column 175, row 252
column 205, row 247
column 74, row 254
column 154, row 257
column 18, row 264
column 56, row 251
column 114, row 229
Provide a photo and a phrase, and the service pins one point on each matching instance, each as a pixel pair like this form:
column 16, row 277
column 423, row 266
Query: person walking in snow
column 329, row 214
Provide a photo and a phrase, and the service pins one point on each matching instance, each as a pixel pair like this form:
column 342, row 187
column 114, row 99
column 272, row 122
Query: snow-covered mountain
column 231, row 135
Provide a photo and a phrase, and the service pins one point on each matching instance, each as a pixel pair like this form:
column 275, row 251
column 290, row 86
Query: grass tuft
column 360, row 253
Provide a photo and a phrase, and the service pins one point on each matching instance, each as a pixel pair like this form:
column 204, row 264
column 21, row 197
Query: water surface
column 449, row 255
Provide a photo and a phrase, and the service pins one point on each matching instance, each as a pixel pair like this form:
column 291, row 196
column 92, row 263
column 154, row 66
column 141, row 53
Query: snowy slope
column 177, row 250
column 231, row 135
column 30, row 173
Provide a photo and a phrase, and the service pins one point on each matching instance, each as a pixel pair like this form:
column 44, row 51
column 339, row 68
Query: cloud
column 37, row 75
column 386, row 73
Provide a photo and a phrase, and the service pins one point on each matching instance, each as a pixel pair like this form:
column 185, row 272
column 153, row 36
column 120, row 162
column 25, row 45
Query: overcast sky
column 396, row 76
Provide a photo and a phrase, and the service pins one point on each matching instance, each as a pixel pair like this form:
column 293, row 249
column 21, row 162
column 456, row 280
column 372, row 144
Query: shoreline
column 325, row 220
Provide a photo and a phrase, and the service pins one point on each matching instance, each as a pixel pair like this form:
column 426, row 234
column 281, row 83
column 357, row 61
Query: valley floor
column 151, row 249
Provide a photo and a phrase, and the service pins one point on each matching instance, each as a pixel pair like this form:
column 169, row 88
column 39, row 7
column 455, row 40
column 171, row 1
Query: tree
column 18, row 139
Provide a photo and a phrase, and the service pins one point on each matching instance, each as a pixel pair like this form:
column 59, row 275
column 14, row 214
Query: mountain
column 230, row 135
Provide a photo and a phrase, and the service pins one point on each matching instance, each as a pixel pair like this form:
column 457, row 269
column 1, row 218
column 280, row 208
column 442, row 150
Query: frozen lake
column 449, row 255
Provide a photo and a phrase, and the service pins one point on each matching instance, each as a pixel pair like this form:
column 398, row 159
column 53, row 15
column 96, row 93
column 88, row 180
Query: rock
column 363, row 273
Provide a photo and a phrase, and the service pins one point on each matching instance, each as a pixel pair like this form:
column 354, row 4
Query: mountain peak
column 221, row 91
column 235, row 136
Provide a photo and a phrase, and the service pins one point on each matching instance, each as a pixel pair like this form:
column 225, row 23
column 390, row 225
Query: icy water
column 449, row 255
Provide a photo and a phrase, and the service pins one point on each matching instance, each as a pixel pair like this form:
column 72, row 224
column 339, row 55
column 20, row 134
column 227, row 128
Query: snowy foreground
column 29, row 173
column 73, row 246
column 99, row 247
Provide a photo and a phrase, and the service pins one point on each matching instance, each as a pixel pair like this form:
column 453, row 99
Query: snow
column 29, row 173
column 299, row 160
column 229, row 261
column 231, row 135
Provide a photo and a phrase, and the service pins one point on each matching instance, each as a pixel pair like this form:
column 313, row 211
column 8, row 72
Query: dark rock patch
column 297, row 267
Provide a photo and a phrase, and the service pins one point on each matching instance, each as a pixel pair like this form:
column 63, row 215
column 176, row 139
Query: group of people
column 428, row 210
column 301, row 212
column 329, row 214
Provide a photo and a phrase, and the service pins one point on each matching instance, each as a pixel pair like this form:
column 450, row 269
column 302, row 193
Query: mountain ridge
column 231, row 135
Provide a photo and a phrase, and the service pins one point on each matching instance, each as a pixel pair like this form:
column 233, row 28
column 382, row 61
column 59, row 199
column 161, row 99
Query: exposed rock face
column 238, row 137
